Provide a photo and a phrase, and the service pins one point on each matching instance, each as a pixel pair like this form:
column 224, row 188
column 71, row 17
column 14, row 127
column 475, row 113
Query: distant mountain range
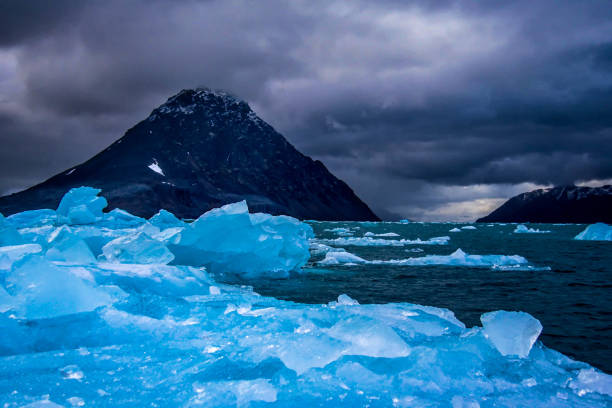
column 199, row 150
column 564, row 204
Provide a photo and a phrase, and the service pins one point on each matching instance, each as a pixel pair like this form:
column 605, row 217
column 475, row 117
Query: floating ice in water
column 468, row 227
column 231, row 240
column 76, row 331
column 369, row 241
column 522, row 229
column 454, row 230
column 137, row 248
column 512, row 333
column 386, row 234
column 457, row 258
column 340, row 231
column 596, row 232
column 81, row 206
column 317, row 248
column 335, row 258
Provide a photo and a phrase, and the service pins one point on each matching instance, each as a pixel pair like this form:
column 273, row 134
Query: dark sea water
column 573, row 299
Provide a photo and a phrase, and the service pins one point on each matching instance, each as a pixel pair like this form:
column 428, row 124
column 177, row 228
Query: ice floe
column 522, row 229
column 369, row 241
column 596, row 232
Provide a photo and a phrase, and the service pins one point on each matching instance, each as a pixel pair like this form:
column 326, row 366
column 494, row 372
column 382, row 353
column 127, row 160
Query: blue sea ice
column 512, row 333
column 137, row 248
column 522, row 229
column 40, row 289
column 81, row 206
column 165, row 219
column 596, row 232
column 65, row 246
column 231, row 240
column 8, row 234
column 33, row 218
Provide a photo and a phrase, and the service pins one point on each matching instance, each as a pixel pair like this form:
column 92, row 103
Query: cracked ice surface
column 81, row 326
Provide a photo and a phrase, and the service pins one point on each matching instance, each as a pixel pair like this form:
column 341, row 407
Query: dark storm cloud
column 444, row 100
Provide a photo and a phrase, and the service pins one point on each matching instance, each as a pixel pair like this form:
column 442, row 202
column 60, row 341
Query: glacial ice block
column 457, row 258
column 119, row 218
column 341, row 257
column 65, row 246
column 137, row 248
column 8, row 234
column 81, row 206
column 369, row 241
column 12, row 253
column 512, row 333
column 42, row 290
column 33, row 218
column 165, row 219
column 229, row 239
column 596, row 232
column 522, row 229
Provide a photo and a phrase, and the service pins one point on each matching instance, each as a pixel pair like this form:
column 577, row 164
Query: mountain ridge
column 201, row 149
column 561, row 204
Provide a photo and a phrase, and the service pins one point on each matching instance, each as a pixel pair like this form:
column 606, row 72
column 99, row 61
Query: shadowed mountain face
column 566, row 204
column 200, row 150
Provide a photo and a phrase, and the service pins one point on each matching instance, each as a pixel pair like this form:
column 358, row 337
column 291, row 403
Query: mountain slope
column 199, row 150
column 567, row 204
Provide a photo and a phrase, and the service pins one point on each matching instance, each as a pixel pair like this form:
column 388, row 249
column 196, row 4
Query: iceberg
column 596, row 232
column 340, row 231
column 512, row 333
column 454, row 230
column 231, row 240
column 65, row 246
column 385, row 234
column 522, row 229
column 468, row 227
column 81, row 206
column 8, row 234
column 369, row 241
column 138, row 248
column 457, row 258
column 343, row 257
column 40, row 289
column 165, row 219
column 33, row 218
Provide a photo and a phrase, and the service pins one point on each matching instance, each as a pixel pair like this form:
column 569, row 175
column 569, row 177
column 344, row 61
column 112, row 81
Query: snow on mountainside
column 567, row 204
column 200, row 150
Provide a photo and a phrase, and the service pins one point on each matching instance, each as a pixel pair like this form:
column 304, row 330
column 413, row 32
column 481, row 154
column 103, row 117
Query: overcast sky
column 432, row 110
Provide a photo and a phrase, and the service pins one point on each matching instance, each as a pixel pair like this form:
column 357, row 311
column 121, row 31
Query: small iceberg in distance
column 522, row 229
column 370, row 241
column 454, row 230
column 457, row 258
column 596, row 232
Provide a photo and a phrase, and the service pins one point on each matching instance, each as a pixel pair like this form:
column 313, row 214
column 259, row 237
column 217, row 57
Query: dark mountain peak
column 201, row 149
column 205, row 102
column 567, row 203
